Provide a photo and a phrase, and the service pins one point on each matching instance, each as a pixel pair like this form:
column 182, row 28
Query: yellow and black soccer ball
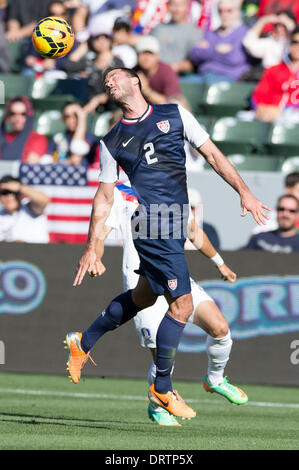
column 52, row 37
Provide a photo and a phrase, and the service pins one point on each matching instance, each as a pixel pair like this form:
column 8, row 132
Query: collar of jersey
column 144, row 116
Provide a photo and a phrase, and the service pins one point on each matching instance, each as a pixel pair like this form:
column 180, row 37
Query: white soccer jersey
column 125, row 204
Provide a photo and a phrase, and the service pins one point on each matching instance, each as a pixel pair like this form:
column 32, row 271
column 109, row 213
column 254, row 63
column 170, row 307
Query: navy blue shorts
column 164, row 265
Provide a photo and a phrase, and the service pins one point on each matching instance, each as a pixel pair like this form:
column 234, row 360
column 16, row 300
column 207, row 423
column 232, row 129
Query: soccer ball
column 52, row 37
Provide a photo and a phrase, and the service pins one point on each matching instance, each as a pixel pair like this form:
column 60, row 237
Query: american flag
column 71, row 189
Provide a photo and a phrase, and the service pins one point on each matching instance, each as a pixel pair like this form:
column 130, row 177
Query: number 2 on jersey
column 150, row 151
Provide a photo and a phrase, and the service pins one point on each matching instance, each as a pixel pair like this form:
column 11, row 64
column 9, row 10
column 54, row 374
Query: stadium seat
column 206, row 121
column 51, row 102
column 283, row 139
column 15, row 51
column 226, row 98
column 100, row 124
column 193, row 92
column 52, row 93
column 289, row 165
column 235, row 136
column 16, row 85
column 255, row 162
column 49, row 123
column 42, row 87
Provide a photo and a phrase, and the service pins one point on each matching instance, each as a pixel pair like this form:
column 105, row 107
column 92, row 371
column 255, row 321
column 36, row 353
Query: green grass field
column 49, row 412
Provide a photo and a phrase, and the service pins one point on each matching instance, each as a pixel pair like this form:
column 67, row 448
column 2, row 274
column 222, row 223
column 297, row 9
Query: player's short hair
column 291, row 179
column 130, row 72
column 288, row 196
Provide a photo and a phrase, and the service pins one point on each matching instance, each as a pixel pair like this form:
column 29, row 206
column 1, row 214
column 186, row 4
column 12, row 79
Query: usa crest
column 163, row 126
column 172, row 284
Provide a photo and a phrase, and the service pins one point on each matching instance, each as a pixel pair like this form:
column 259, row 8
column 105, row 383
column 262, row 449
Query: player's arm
column 227, row 171
column 200, row 140
column 101, row 207
column 98, row 269
column 201, row 241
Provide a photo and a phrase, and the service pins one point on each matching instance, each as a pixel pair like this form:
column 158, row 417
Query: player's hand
column 85, row 264
column 227, row 274
column 249, row 203
column 98, row 269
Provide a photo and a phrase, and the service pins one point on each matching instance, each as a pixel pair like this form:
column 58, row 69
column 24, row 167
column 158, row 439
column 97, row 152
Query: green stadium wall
column 39, row 305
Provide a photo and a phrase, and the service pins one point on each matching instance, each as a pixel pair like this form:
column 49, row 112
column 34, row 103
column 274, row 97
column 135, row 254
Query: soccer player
column 205, row 314
column 148, row 144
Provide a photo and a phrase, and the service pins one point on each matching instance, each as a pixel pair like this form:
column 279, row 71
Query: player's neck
column 134, row 108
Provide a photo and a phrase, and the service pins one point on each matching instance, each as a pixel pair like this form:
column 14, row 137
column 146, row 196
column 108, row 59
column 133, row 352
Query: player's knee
column 220, row 329
column 185, row 310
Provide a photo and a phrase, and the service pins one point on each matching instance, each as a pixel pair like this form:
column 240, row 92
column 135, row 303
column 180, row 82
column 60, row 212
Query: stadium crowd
column 180, row 49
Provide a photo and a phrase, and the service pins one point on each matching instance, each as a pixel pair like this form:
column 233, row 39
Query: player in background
column 205, row 314
column 148, row 144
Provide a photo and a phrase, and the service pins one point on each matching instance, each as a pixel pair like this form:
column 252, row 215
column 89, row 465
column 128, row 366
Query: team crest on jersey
column 163, row 126
column 172, row 284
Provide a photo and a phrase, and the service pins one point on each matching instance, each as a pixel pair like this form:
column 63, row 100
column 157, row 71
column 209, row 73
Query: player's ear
column 135, row 81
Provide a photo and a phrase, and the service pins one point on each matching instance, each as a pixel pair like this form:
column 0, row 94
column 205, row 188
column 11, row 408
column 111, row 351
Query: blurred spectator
column 250, row 9
column 291, row 187
column 292, row 184
column 72, row 3
column 94, row 17
column 3, row 10
column 285, row 239
column 5, row 54
column 18, row 140
column 276, row 95
column 37, row 65
column 124, row 42
column 268, row 7
column 220, row 55
column 22, row 221
column 75, row 146
column 177, row 37
column 22, row 17
column 147, row 14
column 272, row 48
column 159, row 81
column 90, row 59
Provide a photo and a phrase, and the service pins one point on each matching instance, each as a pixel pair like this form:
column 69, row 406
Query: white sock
column 151, row 374
column 218, row 351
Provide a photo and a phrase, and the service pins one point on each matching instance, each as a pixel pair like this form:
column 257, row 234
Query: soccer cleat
column 162, row 417
column 227, row 390
column 77, row 357
column 171, row 402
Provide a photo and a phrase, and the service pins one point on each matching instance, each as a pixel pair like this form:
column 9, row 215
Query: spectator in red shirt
column 159, row 81
column 18, row 140
column 268, row 7
column 277, row 93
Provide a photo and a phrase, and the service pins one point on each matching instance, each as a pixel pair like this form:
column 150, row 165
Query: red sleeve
column 269, row 89
column 36, row 143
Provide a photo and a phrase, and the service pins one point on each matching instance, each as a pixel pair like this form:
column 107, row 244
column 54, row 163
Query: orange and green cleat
column 161, row 416
column 231, row 392
column 172, row 402
column 77, row 357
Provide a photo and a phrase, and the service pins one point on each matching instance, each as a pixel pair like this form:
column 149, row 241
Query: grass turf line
column 58, row 420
